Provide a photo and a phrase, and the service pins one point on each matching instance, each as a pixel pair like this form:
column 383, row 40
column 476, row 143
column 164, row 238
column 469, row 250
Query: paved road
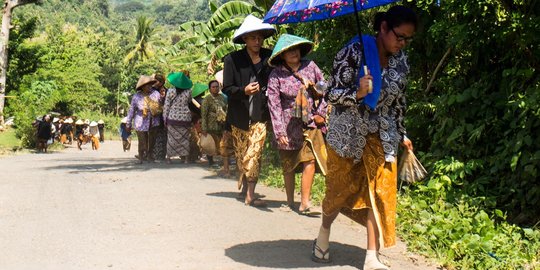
column 99, row 210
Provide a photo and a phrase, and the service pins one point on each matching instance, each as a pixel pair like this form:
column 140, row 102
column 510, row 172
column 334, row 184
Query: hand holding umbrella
column 365, row 86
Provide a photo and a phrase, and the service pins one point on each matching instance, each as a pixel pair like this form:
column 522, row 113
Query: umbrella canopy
column 295, row 11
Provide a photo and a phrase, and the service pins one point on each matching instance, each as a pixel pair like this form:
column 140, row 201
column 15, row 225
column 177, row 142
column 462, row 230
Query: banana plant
column 215, row 36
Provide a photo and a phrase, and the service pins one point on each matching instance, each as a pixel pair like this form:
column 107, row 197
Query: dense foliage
column 473, row 120
column 474, row 100
column 87, row 57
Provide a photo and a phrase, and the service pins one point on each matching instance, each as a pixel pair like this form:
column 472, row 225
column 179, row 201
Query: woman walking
column 298, row 116
column 44, row 133
column 101, row 129
column 144, row 116
column 160, row 147
column 125, row 134
column 177, row 116
column 363, row 142
column 213, row 114
column 197, row 93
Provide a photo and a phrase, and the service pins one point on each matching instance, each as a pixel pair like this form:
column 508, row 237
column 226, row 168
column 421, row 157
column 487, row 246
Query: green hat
column 179, row 80
column 286, row 42
column 198, row 89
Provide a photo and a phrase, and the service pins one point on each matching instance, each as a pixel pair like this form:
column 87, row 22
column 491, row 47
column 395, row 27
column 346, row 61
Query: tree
column 143, row 48
column 9, row 5
column 216, row 34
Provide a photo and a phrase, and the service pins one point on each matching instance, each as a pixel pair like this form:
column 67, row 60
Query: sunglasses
column 401, row 38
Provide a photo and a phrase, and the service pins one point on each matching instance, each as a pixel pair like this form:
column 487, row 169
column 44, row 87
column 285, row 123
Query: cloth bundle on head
column 158, row 77
column 252, row 24
column 144, row 80
column 180, row 80
column 219, row 77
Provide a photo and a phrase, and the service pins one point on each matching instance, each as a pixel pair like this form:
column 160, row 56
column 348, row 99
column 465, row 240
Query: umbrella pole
column 364, row 63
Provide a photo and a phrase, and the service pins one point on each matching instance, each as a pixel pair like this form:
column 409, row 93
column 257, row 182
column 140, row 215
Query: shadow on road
column 285, row 254
column 271, row 204
column 113, row 165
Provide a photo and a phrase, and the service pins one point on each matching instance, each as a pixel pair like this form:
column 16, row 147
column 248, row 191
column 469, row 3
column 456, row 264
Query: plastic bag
column 410, row 169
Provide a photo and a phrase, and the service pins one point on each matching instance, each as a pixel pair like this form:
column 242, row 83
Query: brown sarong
column 95, row 142
column 248, row 146
column 314, row 148
column 226, row 148
column 369, row 184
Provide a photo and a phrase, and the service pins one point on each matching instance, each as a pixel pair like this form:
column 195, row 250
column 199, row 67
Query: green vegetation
column 8, row 140
column 474, row 102
column 472, row 122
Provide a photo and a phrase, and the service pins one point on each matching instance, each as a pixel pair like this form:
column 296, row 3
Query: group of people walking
column 170, row 122
column 65, row 130
column 334, row 131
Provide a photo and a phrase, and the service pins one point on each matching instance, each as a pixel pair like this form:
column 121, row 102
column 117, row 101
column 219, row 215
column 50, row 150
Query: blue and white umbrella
column 296, row 11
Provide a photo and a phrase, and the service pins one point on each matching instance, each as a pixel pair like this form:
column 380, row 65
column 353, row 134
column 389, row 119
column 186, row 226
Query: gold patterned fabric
column 352, row 188
column 248, row 145
column 226, row 147
column 314, row 148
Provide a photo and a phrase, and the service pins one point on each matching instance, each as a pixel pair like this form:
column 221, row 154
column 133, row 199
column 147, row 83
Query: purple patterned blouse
column 135, row 113
column 282, row 90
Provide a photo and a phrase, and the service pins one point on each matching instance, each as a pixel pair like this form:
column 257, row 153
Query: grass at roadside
column 8, row 139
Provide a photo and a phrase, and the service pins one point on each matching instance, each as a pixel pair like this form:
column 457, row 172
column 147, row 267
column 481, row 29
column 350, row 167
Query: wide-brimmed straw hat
column 100, row 121
column 144, row 80
column 179, row 80
column 79, row 122
column 286, row 42
column 252, row 24
column 198, row 89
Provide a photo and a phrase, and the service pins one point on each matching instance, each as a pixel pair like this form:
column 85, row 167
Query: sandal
column 308, row 212
column 324, row 253
column 257, row 203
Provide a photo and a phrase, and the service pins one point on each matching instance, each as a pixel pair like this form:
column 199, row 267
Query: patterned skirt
column 248, row 146
column 160, row 146
column 178, row 141
column 226, row 147
column 352, row 188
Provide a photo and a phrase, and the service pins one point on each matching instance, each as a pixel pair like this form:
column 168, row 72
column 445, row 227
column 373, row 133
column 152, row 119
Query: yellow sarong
column 371, row 183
